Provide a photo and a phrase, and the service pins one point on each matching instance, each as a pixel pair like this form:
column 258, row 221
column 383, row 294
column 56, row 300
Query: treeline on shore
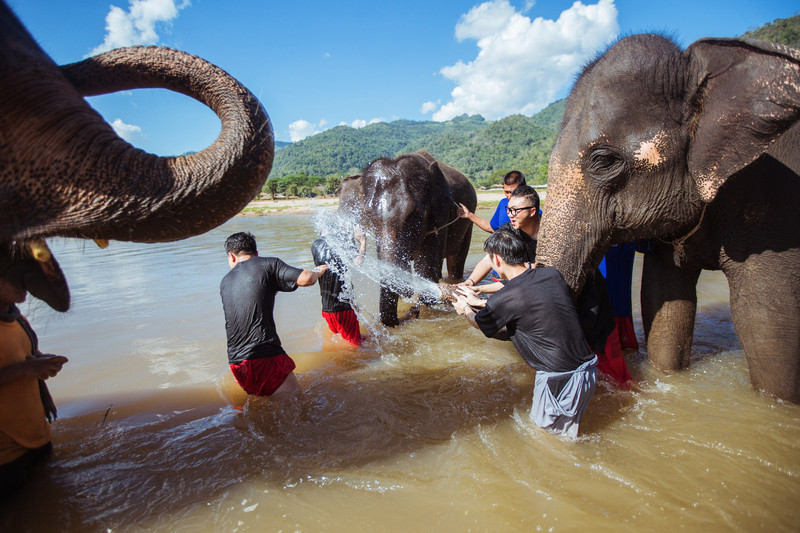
column 483, row 150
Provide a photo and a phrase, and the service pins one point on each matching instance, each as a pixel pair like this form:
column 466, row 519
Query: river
column 425, row 428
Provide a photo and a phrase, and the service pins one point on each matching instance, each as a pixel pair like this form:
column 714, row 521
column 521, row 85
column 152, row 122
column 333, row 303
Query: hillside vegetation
column 782, row 31
column 483, row 150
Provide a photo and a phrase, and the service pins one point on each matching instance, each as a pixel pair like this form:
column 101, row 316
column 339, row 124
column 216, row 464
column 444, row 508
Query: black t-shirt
column 594, row 306
column 536, row 309
column 330, row 284
column 527, row 240
column 248, row 299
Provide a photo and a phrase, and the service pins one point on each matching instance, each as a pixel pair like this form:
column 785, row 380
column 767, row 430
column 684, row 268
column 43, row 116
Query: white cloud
column 360, row 123
column 300, row 129
column 428, row 107
column 129, row 132
column 137, row 26
column 522, row 63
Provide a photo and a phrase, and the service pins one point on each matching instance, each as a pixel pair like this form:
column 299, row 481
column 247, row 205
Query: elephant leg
column 388, row 307
column 771, row 339
column 455, row 262
column 669, row 305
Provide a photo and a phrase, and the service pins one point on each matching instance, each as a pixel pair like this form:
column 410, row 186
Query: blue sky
column 317, row 64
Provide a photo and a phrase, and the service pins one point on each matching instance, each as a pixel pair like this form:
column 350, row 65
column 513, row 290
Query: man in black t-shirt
column 255, row 355
column 336, row 311
column 535, row 312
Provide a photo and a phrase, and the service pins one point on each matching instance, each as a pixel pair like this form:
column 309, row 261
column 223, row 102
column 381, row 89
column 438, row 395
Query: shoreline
column 304, row 206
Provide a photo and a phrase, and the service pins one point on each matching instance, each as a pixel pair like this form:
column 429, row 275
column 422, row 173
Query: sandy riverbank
column 299, row 206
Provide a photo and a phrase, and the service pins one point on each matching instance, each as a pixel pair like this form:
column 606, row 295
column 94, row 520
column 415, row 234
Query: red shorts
column 627, row 335
column 262, row 377
column 611, row 361
column 346, row 323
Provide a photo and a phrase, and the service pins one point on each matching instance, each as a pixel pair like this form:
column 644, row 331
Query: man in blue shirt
column 511, row 181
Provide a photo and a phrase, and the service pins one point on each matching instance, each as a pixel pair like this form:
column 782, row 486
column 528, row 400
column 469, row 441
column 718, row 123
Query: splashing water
column 338, row 230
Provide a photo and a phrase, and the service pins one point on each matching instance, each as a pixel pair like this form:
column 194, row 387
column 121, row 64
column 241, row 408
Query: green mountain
column 483, row 150
column 782, row 31
column 479, row 148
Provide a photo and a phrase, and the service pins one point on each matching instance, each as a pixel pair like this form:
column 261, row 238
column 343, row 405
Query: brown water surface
column 425, row 428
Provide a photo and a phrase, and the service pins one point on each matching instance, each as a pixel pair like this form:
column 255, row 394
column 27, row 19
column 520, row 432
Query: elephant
column 65, row 172
column 410, row 204
column 698, row 149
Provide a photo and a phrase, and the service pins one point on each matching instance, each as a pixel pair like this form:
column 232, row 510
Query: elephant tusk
column 39, row 250
column 101, row 243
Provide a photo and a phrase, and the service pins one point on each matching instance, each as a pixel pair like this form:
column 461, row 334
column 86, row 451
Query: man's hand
column 463, row 212
column 45, row 365
column 467, row 294
column 460, row 305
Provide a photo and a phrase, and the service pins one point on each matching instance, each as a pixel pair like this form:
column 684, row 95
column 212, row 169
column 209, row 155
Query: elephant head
column 650, row 140
column 408, row 204
column 65, row 172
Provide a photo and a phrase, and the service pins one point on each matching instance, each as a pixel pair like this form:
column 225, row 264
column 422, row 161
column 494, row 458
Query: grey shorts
column 561, row 398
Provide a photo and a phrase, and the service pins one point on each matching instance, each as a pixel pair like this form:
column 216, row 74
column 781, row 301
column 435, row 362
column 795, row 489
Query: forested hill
column 479, row 148
column 782, row 31
column 483, row 150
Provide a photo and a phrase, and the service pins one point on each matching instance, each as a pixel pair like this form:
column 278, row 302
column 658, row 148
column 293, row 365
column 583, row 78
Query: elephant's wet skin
column 410, row 205
column 65, row 172
column 701, row 150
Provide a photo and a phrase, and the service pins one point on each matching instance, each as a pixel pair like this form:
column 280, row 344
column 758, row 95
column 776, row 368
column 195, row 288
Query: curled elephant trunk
column 66, row 172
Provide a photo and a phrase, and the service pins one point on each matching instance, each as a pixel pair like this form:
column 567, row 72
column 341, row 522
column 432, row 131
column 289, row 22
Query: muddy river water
column 425, row 428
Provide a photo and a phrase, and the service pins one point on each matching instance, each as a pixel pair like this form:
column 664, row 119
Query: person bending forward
column 534, row 310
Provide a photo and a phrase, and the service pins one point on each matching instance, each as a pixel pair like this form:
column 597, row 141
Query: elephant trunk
column 566, row 242
column 75, row 177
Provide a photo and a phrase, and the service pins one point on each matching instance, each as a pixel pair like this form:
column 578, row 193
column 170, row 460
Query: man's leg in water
column 290, row 386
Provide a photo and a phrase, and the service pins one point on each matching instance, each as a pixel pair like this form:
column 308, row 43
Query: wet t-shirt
column 541, row 320
column 248, row 299
column 330, row 284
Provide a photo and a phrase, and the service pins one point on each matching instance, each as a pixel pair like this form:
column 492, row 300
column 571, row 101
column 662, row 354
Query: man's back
column 537, row 310
column 248, row 299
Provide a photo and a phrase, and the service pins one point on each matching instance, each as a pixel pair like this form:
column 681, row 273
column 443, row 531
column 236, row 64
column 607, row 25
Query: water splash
column 339, row 229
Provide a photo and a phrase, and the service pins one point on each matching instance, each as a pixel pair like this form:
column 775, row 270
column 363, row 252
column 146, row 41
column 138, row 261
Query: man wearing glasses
column 523, row 212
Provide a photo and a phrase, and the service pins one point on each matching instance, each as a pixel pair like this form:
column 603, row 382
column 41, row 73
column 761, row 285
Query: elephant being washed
column 701, row 150
column 410, row 204
column 64, row 172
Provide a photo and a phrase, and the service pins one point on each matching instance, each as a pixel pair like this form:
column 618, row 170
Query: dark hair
column 241, row 242
column 529, row 193
column 507, row 245
column 515, row 177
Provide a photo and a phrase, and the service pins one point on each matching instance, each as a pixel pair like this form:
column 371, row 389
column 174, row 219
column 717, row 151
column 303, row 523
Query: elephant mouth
column 28, row 265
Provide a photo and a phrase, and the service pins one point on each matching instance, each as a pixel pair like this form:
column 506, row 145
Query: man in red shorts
column 336, row 310
column 257, row 360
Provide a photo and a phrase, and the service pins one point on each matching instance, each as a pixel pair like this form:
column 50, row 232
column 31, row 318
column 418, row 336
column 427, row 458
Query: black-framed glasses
column 514, row 211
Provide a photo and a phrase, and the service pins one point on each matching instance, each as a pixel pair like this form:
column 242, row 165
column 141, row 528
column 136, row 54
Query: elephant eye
column 605, row 163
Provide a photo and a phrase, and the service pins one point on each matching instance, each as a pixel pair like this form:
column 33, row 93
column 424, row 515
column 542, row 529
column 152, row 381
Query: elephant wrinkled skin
column 699, row 149
column 410, row 205
column 64, row 172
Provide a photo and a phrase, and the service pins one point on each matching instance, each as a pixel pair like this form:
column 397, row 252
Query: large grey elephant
column 410, row 204
column 64, row 172
column 699, row 149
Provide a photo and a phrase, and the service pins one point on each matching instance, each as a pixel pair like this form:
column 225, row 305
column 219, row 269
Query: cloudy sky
column 318, row 64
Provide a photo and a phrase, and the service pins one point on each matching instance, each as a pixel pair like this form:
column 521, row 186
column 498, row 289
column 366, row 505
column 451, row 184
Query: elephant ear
column 744, row 95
